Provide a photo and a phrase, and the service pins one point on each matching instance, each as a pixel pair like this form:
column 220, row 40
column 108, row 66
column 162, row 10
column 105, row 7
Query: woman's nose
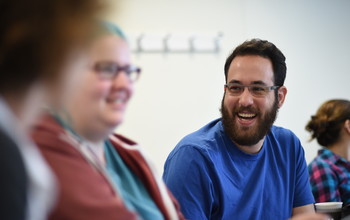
column 122, row 78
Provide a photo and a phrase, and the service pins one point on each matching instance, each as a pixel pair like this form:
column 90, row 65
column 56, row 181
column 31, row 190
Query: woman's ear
column 281, row 95
column 347, row 126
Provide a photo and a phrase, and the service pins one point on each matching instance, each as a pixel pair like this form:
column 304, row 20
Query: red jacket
column 84, row 192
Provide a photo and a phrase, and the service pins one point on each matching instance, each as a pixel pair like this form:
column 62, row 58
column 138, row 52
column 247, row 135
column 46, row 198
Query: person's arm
column 310, row 216
column 303, row 209
column 303, row 198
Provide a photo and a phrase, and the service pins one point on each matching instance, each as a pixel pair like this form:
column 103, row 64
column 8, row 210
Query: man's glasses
column 109, row 70
column 236, row 89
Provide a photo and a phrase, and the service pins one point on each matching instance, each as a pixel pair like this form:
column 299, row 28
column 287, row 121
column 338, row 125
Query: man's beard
column 247, row 136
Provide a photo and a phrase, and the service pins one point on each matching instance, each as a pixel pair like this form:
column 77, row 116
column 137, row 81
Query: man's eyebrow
column 258, row 82
column 235, row 81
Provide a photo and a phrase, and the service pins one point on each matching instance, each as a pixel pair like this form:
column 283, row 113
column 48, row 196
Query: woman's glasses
column 109, row 70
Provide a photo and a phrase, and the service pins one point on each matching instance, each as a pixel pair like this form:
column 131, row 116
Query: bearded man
column 241, row 166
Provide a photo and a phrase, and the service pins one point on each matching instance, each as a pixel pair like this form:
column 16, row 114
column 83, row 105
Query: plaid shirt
column 330, row 177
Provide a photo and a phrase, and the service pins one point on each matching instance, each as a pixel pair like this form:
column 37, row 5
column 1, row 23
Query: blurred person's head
column 254, row 72
column 97, row 107
column 37, row 39
column 331, row 119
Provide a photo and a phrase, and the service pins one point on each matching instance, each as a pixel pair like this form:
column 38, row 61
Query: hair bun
column 326, row 125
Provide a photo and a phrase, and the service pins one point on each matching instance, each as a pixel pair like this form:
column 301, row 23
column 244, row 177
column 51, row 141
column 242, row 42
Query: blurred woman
column 37, row 37
column 102, row 175
column 330, row 170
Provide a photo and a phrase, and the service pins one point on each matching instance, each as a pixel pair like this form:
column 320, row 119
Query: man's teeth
column 246, row 115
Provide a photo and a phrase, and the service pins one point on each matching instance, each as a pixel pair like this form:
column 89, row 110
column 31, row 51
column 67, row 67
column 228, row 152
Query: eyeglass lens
column 255, row 90
column 109, row 70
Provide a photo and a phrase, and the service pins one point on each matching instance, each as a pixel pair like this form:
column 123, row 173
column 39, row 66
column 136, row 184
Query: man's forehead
column 256, row 82
column 250, row 60
column 251, row 69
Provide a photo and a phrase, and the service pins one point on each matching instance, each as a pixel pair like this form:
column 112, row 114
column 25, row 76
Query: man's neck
column 252, row 149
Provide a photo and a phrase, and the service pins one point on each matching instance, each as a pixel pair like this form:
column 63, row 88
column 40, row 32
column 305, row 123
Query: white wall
column 179, row 93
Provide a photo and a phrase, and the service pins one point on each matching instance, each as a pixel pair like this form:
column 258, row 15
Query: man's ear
column 281, row 95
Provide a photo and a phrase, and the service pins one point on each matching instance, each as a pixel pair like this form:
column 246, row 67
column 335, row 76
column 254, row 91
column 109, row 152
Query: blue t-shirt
column 213, row 179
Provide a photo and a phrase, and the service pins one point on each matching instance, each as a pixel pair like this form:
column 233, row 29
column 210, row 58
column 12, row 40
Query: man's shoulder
column 281, row 133
column 206, row 134
column 281, row 130
column 284, row 140
column 202, row 141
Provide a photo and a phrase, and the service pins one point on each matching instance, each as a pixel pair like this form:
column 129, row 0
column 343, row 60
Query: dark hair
column 326, row 125
column 37, row 35
column 265, row 49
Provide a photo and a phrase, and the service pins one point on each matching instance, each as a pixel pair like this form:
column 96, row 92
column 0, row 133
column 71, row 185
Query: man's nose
column 246, row 98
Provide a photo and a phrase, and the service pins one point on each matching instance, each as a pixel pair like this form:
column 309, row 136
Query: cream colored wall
column 179, row 93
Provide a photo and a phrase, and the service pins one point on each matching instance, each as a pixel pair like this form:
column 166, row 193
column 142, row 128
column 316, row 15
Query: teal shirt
column 132, row 190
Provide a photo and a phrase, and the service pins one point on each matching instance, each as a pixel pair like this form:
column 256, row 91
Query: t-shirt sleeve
column 303, row 195
column 187, row 174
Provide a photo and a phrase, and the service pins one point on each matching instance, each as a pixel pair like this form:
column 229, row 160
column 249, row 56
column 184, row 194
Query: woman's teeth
column 119, row 101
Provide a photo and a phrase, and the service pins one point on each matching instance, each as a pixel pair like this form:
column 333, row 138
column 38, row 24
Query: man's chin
column 246, row 129
column 242, row 135
column 245, row 142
